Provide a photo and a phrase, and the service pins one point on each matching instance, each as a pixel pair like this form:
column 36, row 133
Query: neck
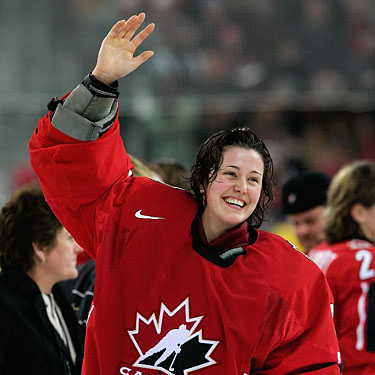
column 41, row 279
column 211, row 231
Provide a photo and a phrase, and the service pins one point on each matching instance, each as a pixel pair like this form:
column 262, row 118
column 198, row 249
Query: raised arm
column 94, row 100
column 76, row 150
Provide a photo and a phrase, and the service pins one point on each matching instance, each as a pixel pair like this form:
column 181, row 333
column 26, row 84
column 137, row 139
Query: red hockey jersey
column 350, row 269
column 165, row 304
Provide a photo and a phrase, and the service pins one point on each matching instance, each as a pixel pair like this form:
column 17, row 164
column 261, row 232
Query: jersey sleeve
column 350, row 277
column 75, row 175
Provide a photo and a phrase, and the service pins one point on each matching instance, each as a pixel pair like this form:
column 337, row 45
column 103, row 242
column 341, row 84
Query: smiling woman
column 36, row 322
column 241, row 146
column 227, row 295
column 233, row 195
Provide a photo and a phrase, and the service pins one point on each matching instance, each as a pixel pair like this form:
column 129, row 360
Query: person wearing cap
column 304, row 197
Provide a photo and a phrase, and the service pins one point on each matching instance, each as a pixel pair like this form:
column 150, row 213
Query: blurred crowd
column 271, row 45
column 206, row 47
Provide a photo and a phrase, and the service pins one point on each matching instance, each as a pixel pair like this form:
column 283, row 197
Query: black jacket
column 28, row 342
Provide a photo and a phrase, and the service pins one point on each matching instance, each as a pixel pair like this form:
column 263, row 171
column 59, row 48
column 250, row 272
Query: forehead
column 314, row 213
column 61, row 232
column 242, row 157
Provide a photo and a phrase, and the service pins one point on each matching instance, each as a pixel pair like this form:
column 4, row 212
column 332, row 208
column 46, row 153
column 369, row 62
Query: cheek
column 255, row 194
column 216, row 189
column 372, row 228
column 221, row 183
column 220, row 180
column 67, row 255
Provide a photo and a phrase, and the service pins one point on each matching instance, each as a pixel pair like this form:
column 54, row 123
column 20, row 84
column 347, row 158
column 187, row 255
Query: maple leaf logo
column 171, row 343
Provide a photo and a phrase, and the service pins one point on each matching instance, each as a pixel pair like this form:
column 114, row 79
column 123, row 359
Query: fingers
column 143, row 35
column 134, row 22
column 116, row 28
column 126, row 29
column 143, row 57
column 130, row 27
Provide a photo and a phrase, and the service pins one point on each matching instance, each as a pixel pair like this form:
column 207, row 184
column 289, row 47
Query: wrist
column 100, row 88
column 104, row 78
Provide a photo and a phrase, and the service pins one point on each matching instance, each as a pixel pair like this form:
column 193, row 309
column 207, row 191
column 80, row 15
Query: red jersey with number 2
column 350, row 269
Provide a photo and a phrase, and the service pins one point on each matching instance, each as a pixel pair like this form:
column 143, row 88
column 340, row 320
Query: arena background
column 301, row 73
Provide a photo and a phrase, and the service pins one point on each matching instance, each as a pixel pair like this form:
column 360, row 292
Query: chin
column 233, row 223
column 72, row 275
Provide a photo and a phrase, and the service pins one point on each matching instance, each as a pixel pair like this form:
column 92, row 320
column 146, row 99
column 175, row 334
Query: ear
column 39, row 253
column 358, row 213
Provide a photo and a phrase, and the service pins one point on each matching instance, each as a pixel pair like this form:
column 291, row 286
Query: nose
column 77, row 249
column 240, row 185
column 302, row 230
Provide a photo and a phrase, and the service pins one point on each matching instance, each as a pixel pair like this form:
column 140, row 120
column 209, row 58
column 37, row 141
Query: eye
column 230, row 173
column 254, row 180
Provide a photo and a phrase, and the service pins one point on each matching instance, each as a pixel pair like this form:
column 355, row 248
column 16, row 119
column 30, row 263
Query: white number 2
column 365, row 272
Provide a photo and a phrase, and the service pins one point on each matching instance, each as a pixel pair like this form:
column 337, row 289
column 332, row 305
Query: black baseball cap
column 304, row 191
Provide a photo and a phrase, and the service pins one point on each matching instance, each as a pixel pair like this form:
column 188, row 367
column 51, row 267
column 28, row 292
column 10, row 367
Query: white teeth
column 235, row 201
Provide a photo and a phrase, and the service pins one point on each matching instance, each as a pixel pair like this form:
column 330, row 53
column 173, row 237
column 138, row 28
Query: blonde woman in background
column 348, row 260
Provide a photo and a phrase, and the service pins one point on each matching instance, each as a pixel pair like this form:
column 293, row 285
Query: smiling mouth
column 235, row 202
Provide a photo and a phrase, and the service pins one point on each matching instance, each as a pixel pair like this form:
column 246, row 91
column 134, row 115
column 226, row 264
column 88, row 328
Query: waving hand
column 116, row 55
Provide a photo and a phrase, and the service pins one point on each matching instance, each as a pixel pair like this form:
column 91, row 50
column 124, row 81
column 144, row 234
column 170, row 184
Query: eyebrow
column 235, row 167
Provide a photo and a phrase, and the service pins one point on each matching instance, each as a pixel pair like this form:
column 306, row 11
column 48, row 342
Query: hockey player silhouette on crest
column 170, row 343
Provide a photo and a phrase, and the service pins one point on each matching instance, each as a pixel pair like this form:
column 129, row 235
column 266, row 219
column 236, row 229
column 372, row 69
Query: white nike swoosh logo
column 139, row 215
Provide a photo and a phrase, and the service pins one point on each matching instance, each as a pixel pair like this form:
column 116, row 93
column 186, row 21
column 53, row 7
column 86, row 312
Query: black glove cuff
column 99, row 88
column 54, row 102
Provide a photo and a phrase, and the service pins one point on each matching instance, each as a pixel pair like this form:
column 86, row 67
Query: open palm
column 116, row 55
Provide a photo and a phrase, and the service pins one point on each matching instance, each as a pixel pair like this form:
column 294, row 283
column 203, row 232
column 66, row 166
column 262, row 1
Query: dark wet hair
column 25, row 219
column 210, row 157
